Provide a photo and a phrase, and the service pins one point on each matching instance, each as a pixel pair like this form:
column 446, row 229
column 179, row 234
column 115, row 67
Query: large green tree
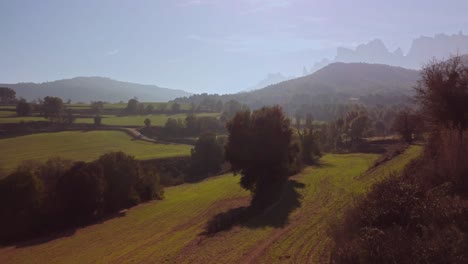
column 132, row 106
column 23, row 108
column 7, row 95
column 81, row 192
column 97, row 107
column 206, row 157
column 52, row 108
column 260, row 148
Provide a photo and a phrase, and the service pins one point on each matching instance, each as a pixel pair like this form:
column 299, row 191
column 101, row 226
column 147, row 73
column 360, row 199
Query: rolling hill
column 336, row 83
column 86, row 89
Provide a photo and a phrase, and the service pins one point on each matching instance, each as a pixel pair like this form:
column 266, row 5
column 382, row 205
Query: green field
column 11, row 107
column 156, row 120
column 7, row 113
column 19, row 119
column 84, row 146
column 137, row 120
column 170, row 231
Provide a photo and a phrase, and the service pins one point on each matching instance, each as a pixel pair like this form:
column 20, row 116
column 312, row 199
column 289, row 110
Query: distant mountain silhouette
column 422, row 50
column 86, row 89
column 338, row 83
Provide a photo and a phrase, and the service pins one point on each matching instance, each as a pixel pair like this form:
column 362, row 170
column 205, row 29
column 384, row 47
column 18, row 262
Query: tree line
column 37, row 198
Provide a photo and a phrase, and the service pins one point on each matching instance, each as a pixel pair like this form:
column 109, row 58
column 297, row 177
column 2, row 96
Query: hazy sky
column 202, row 45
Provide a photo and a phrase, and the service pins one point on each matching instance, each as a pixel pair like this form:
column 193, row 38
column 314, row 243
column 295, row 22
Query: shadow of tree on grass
column 277, row 215
column 61, row 234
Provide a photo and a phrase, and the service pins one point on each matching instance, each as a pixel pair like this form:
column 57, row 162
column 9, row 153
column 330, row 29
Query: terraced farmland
column 172, row 231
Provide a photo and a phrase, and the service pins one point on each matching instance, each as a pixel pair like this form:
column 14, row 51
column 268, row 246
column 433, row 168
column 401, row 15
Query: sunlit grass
column 133, row 120
column 168, row 231
column 85, row 146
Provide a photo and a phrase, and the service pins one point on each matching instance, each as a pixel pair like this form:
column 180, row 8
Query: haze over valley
column 247, row 131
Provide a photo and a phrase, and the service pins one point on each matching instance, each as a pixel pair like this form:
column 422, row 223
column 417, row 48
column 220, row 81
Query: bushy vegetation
column 421, row 215
column 41, row 197
column 308, row 136
column 7, row 95
column 409, row 125
column 207, row 157
column 23, row 108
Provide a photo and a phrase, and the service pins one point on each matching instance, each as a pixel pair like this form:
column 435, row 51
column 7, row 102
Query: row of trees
column 134, row 107
column 41, row 197
column 191, row 126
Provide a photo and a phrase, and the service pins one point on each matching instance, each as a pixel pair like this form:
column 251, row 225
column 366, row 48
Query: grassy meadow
column 7, row 117
column 77, row 145
column 171, row 230
column 138, row 120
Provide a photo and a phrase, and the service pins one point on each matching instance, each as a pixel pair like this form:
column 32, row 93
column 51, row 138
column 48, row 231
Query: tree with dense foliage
column 206, row 157
column 149, row 109
column 162, row 108
column 310, row 150
column 21, row 199
column 230, row 109
column 260, row 148
column 7, row 95
column 173, row 127
column 52, row 108
column 42, row 197
column 406, row 124
column 97, row 107
column 357, row 126
column 23, row 108
column 147, row 123
column 97, row 120
column 122, row 173
column 442, row 92
column 132, row 106
column 175, row 107
column 81, row 192
column 191, row 124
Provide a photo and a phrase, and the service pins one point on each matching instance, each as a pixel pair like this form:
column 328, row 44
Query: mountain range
column 86, row 89
column 422, row 50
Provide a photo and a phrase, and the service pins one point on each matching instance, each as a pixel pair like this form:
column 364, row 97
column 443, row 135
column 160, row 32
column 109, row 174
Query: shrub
column 81, row 192
column 21, row 201
column 206, row 158
column 122, row 173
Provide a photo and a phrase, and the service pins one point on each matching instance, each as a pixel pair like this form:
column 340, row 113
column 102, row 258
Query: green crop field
column 7, row 113
column 171, row 231
column 85, row 146
column 10, row 107
column 136, row 120
column 19, row 119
